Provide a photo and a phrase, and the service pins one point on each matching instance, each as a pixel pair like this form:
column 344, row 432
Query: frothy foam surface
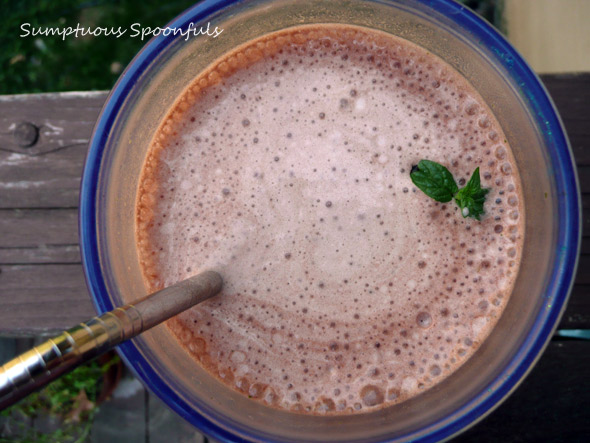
column 285, row 167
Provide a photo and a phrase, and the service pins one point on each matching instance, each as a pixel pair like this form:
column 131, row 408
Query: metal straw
column 59, row 355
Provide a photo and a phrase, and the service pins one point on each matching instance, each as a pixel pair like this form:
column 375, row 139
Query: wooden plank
column 571, row 94
column 39, row 236
column 43, row 144
column 44, row 253
column 584, row 178
column 50, row 298
column 42, row 299
column 47, row 173
column 586, row 215
column 583, row 274
column 551, row 405
column 51, row 235
column 577, row 313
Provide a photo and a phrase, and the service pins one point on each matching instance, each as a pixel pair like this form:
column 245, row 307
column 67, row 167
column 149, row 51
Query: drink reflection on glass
column 285, row 166
column 357, row 308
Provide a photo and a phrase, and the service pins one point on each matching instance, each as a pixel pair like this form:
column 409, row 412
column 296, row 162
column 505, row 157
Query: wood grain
column 42, row 287
column 46, row 174
column 584, row 177
column 51, row 233
column 577, row 313
column 42, row 299
column 571, row 95
column 41, row 276
column 551, row 405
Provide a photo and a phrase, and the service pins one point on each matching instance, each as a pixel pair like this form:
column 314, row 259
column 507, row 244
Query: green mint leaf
column 434, row 180
column 472, row 197
column 438, row 183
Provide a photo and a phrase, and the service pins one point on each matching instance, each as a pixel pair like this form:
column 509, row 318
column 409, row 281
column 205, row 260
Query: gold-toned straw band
column 44, row 363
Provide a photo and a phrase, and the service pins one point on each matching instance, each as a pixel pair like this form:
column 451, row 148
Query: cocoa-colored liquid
column 285, row 167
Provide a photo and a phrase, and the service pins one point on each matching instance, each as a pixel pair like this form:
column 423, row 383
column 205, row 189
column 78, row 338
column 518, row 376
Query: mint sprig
column 438, row 183
column 434, row 180
column 472, row 197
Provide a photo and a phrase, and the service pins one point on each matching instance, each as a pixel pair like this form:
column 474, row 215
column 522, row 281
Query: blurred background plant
column 50, row 64
column 67, row 406
column 34, row 64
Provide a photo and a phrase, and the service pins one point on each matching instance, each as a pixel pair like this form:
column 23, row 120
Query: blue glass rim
column 568, row 206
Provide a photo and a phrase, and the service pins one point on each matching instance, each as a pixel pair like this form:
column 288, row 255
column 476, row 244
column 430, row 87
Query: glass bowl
column 161, row 71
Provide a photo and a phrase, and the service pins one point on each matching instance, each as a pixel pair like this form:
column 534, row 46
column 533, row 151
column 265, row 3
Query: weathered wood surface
column 43, row 143
column 131, row 415
column 551, row 405
column 42, row 287
column 571, row 95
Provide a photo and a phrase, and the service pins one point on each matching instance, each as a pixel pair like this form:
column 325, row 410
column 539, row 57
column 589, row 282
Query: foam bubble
column 424, row 319
column 409, row 385
column 237, row 357
column 500, row 152
column 257, row 390
column 371, row 395
column 344, row 286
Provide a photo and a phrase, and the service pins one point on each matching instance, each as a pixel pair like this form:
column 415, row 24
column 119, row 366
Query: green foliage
column 434, row 180
column 438, row 183
column 50, row 64
column 472, row 197
column 491, row 10
column 43, row 64
column 71, row 399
